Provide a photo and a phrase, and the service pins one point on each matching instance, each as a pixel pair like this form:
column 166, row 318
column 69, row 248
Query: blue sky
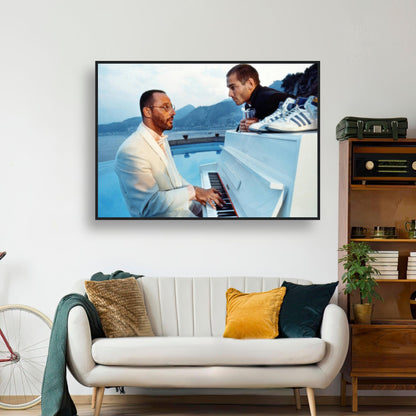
column 121, row 84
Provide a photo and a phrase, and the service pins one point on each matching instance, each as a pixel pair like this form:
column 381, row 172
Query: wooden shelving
column 374, row 187
column 383, row 351
column 393, row 321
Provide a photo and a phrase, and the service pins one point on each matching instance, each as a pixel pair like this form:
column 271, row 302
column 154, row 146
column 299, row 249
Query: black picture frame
column 256, row 162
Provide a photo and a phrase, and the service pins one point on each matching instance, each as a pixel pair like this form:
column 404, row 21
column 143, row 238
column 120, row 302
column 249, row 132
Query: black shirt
column 265, row 100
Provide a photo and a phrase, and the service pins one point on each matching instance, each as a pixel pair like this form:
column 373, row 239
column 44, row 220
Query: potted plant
column 360, row 276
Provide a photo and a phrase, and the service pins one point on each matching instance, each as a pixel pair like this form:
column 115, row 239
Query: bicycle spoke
column 31, row 382
column 41, row 344
column 27, row 331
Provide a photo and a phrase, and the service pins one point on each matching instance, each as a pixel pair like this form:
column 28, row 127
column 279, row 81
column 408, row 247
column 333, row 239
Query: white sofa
column 188, row 318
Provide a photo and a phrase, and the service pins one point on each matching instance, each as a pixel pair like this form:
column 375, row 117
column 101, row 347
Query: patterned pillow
column 120, row 306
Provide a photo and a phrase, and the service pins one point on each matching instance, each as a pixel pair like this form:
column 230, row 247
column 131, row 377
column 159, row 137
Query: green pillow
column 302, row 309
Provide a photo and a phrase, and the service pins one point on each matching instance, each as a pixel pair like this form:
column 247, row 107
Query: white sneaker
column 300, row 118
column 261, row 126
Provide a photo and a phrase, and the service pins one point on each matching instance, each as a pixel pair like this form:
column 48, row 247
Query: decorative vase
column 413, row 304
column 363, row 313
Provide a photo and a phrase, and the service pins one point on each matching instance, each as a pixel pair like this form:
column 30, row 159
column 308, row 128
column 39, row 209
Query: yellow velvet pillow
column 253, row 315
column 120, row 306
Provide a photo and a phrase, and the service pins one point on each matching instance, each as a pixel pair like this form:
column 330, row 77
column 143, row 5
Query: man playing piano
column 150, row 182
column 244, row 86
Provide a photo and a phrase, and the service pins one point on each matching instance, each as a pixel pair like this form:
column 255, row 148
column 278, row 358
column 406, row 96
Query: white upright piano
column 262, row 175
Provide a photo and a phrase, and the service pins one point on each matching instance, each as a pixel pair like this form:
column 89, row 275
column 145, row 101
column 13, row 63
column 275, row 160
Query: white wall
column 47, row 133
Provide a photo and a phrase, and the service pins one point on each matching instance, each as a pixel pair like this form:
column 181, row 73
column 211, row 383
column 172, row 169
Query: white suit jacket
column 150, row 182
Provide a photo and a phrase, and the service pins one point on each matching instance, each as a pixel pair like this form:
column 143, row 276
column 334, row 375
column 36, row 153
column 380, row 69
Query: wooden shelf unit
column 381, row 354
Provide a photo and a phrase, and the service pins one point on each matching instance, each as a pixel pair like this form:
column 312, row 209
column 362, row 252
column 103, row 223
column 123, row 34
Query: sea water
column 108, row 144
column 188, row 158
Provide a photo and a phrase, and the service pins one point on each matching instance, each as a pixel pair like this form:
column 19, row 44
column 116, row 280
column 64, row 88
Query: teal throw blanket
column 56, row 400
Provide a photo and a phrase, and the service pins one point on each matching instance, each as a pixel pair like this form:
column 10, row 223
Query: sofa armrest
column 335, row 332
column 79, row 344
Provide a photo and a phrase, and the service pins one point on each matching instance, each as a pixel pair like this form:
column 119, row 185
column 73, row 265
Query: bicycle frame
column 13, row 355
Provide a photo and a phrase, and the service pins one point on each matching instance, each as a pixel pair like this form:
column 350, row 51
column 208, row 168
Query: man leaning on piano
column 149, row 180
column 244, row 87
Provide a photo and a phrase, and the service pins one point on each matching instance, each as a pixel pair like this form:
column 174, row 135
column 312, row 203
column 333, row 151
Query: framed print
column 207, row 140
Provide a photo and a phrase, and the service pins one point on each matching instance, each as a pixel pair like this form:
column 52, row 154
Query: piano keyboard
column 228, row 209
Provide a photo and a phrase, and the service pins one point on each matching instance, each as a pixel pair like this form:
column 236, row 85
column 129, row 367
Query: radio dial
column 414, row 165
column 369, row 165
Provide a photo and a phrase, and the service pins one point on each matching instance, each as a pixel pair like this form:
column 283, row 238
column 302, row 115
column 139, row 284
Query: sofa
column 188, row 350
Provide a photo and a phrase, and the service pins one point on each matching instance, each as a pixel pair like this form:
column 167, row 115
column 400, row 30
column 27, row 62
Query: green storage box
column 360, row 127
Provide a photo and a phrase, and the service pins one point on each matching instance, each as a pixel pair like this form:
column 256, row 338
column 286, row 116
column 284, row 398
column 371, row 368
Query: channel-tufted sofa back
column 196, row 306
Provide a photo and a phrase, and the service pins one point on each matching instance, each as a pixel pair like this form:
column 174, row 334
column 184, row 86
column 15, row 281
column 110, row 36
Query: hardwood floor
column 153, row 409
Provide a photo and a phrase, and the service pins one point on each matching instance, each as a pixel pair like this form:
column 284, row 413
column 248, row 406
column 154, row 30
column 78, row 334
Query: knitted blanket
column 56, row 400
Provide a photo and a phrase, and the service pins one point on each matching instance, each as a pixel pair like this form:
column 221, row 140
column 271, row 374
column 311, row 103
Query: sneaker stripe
column 299, row 117
column 295, row 121
column 306, row 118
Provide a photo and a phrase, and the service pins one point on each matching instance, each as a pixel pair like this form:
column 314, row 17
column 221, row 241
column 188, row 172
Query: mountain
column 129, row 125
column 302, row 84
column 121, row 127
column 277, row 85
column 224, row 114
column 184, row 111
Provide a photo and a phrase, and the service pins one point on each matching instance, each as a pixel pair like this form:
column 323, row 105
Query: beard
column 169, row 124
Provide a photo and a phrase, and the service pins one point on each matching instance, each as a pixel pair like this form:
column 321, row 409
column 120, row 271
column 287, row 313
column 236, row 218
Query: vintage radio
column 384, row 162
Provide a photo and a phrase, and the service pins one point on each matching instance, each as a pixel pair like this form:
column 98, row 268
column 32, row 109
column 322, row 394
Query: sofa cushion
column 206, row 351
column 120, row 306
column 253, row 315
column 303, row 308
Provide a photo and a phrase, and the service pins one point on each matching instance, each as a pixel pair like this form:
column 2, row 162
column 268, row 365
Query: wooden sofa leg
column 355, row 394
column 99, row 400
column 93, row 397
column 296, row 392
column 311, row 400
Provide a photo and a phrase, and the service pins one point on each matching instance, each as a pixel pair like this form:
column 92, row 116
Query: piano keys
column 265, row 176
column 227, row 210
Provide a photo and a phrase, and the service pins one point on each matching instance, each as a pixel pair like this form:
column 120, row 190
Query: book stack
column 411, row 266
column 386, row 262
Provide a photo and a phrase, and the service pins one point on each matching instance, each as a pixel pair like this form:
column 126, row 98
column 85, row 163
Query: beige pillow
column 120, row 305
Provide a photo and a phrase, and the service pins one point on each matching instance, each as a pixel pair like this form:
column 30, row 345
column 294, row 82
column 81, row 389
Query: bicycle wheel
column 27, row 331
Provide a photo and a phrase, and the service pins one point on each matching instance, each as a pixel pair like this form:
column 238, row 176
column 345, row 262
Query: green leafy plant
column 359, row 273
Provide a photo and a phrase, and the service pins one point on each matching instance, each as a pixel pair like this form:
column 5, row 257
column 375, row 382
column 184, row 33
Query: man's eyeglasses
column 166, row 107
